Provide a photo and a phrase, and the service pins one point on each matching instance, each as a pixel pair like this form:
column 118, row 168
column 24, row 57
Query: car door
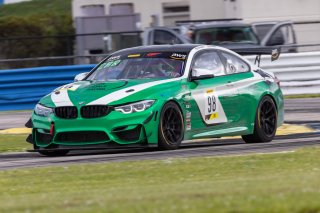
column 212, row 96
column 277, row 33
column 243, row 82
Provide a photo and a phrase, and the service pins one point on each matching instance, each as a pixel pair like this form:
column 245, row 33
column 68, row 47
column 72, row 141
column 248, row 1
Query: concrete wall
column 249, row 10
column 265, row 10
column 207, row 9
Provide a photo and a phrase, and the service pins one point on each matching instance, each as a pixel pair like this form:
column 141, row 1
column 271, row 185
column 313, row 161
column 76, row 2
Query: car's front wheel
column 171, row 127
column 265, row 125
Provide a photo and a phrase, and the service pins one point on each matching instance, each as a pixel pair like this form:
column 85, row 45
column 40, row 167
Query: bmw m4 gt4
column 159, row 96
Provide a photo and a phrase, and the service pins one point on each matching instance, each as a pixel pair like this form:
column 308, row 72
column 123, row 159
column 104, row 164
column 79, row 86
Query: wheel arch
column 180, row 108
column 177, row 103
column 257, row 107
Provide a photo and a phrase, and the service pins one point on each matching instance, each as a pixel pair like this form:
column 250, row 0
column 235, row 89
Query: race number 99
column 211, row 104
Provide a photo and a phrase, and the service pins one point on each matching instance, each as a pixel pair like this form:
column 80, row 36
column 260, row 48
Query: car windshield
column 225, row 35
column 140, row 66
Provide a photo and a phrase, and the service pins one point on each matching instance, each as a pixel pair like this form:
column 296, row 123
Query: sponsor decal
column 72, row 87
column 178, row 56
column 187, row 104
column 98, row 87
column 112, row 58
column 211, row 116
column 187, row 98
column 109, row 64
column 134, row 55
column 188, row 120
column 152, row 54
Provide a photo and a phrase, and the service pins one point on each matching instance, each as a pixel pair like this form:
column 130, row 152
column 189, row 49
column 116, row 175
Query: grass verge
column 283, row 182
column 13, row 143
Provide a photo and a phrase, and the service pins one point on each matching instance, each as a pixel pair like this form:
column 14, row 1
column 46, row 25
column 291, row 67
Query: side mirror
column 80, row 76
column 198, row 73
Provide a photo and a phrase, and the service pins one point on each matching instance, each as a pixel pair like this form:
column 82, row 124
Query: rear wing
column 273, row 52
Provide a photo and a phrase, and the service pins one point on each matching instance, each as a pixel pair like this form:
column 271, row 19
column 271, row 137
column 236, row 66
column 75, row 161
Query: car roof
column 158, row 48
column 220, row 24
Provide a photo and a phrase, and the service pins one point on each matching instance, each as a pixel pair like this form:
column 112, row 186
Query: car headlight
column 134, row 107
column 42, row 110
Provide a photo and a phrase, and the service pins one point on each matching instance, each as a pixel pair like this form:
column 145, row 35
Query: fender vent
column 129, row 135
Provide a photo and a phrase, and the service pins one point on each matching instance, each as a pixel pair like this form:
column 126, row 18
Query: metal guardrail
column 299, row 73
column 22, row 88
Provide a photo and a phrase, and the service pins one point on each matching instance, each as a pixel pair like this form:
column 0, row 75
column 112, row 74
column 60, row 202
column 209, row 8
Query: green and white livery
column 159, row 96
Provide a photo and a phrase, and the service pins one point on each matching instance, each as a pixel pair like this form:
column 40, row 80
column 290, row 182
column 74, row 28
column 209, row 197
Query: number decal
column 211, row 111
column 211, row 104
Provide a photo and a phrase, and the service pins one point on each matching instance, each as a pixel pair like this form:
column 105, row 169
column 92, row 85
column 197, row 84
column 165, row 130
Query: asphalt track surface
column 195, row 149
column 303, row 111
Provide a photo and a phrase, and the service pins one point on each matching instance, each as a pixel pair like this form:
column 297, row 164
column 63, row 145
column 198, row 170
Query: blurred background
column 57, row 39
column 64, row 32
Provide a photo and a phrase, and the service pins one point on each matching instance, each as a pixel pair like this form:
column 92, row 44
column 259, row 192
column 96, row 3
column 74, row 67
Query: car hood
column 102, row 93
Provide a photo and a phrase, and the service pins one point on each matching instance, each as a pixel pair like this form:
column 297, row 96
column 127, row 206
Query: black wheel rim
column 268, row 118
column 172, row 126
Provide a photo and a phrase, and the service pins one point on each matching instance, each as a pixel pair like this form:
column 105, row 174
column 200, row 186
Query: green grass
column 285, row 182
column 302, row 96
column 36, row 7
column 13, row 143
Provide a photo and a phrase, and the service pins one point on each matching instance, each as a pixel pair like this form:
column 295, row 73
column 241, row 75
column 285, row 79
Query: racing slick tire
column 265, row 125
column 171, row 127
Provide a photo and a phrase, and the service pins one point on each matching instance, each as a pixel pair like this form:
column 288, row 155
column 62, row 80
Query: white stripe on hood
column 61, row 98
column 117, row 95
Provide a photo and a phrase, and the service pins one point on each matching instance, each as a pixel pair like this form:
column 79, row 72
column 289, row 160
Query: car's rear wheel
column 265, row 125
column 171, row 127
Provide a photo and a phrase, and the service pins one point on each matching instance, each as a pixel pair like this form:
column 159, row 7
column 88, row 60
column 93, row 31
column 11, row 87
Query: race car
column 159, row 96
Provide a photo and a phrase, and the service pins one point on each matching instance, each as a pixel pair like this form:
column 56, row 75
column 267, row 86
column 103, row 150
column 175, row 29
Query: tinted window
column 208, row 63
column 140, row 66
column 283, row 35
column 234, row 64
column 262, row 30
column 221, row 35
column 164, row 37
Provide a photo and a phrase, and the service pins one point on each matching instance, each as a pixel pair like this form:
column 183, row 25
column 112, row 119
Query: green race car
column 159, row 96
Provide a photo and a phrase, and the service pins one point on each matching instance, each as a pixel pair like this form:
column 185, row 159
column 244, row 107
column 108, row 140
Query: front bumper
column 116, row 128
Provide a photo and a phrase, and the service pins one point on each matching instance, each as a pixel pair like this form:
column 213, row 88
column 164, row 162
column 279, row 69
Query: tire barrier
column 21, row 89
